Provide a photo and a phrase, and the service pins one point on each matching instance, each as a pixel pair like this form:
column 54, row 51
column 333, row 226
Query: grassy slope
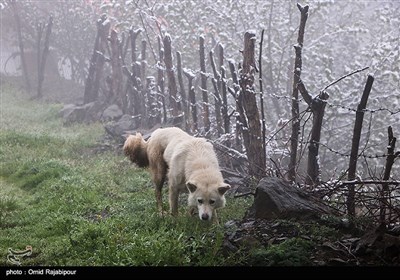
column 75, row 207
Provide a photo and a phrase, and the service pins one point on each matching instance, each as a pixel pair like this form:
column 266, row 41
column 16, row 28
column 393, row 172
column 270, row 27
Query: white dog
column 190, row 164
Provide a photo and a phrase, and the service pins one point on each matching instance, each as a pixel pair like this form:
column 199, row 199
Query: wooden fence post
column 294, row 139
column 384, row 193
column 172, row 88
column 97, row 61
column 204, row 93
column 252, row 132
column 351, row 210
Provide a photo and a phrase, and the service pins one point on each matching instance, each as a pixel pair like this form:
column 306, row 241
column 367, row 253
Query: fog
column 340, row 37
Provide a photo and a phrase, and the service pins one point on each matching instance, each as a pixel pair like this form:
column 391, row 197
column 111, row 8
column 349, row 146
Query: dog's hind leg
column 173, row 199
column 158, row 191
column 159, row 173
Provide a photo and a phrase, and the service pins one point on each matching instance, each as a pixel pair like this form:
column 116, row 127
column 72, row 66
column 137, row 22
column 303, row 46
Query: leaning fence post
column 355, row 145
column 391, row 156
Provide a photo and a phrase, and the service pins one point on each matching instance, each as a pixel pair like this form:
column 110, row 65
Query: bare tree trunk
column 39, row 29
column 262, row 97
column 224, row 105
column 153, row 112
column 116, row 66
column 182, row 92
column 317, row 105
column 132, row 83
column 97, row 61
column 217, row 96
column 135, row 98
column 391, row 156
column 351, row 210
column 252, row 132
column 236, row 93
column 220, row 54
column 161, row 79
column 225, row 116
column 295, row 95
column 133, row 36
column 206, row 109
column 192, row 99
column 21, row 45
column 172, row 88
column 273, row 84
column 143, row 82
column 123, row 49
column 43, row 57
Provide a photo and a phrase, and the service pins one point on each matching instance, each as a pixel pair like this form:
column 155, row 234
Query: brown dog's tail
column 135, row 148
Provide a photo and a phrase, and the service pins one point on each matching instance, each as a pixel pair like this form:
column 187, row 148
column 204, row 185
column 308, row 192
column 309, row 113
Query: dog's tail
column 135, row 147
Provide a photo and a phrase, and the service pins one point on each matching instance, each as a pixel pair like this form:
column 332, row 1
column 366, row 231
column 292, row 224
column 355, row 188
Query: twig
column 277, row 168
column 343, row 77
column 243, row 194
column 147, row 35
column 283, row 126
column 343, row 183
column 349, row 251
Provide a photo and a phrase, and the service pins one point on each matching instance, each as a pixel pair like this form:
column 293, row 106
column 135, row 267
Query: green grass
column 291, row 252
column 76, row 207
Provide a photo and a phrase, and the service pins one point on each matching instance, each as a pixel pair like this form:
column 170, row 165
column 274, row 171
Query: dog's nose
column 204, row 216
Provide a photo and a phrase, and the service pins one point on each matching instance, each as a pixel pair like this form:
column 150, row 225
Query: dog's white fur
column 190, row 163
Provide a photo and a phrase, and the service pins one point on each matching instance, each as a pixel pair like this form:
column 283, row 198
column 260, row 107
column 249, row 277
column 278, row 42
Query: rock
column 248, row 242
column 81, row 113
column 94, row 112
column 75, row 114
column 276, row 198
column 238, row 185
column 112, row 112
column 66, row 110
column 379, row 242
column 230, row 224
column 118, row 129
column 228, row 248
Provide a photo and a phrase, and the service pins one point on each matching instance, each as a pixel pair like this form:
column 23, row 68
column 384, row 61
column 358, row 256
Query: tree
column 252, row 131
column 97, row 61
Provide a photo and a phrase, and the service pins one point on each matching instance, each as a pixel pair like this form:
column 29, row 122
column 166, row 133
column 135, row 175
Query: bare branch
column 304, row 92
column 345, row 76
column 369, row 182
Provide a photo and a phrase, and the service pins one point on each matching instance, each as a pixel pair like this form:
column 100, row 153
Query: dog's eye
column 212, row 201
column 200, row 201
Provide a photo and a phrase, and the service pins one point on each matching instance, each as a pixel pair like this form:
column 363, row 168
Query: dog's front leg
column 173, row 200
column 215, row 217
column 159, row 201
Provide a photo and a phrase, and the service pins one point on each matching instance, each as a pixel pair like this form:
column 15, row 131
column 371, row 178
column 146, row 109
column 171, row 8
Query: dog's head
column 206, row 198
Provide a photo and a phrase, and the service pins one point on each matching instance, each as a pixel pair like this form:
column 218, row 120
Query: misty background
column 340, row 37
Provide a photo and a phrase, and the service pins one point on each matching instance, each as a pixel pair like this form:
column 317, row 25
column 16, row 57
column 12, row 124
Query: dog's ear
column 191, row 187
column 222, row 190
